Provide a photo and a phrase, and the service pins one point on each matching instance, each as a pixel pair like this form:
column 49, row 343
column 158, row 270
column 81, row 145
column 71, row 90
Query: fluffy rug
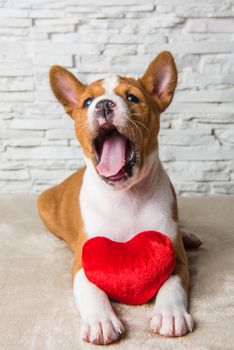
column 37, row 310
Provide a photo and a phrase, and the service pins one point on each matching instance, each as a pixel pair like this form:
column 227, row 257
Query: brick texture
column 92, row 38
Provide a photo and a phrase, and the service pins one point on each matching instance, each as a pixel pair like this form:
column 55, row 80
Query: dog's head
column 117, row 118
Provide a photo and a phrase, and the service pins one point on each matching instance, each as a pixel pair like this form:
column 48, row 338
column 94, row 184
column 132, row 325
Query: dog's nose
column 104, row 108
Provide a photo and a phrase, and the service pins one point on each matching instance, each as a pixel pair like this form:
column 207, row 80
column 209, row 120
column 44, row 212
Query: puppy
column 123, row 189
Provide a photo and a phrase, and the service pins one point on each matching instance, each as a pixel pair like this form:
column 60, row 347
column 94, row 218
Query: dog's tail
column 190, row 239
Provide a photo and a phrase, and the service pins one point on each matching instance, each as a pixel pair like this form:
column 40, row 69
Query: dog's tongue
column 113, row 155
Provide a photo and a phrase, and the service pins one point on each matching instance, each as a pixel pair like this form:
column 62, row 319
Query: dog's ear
column 160, row 79
column 66, row 88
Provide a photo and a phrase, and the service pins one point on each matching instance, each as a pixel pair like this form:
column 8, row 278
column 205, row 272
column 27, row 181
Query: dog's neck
column 146, row 185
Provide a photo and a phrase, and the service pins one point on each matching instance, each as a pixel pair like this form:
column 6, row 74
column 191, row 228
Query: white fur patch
column 110, row 83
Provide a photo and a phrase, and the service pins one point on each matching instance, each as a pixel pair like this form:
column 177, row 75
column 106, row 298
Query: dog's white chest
column 120, row 216
column 116, row 220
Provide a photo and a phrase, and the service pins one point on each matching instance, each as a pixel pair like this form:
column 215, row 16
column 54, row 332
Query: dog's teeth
column 131, row 156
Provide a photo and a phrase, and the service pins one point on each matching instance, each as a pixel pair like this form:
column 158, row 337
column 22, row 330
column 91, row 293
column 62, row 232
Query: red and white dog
column 123, row 189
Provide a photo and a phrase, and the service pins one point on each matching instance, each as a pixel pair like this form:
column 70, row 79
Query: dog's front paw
column 171, row 321
column 101, row 330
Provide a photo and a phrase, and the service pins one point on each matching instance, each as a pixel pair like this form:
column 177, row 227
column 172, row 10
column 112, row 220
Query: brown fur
column 59, row 210
column 181, row 268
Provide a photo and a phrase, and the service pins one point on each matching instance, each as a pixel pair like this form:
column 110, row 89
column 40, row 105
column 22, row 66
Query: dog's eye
column 132, row 98
column 87, row 102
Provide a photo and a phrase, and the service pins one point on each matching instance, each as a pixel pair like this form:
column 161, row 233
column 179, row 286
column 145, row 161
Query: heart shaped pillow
column 132, row 271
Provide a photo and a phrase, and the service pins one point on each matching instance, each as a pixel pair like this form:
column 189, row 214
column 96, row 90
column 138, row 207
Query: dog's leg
column 170, row 317
column 99, row 322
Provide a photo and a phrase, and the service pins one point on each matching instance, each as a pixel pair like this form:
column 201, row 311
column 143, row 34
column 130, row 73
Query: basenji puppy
column 122, row 190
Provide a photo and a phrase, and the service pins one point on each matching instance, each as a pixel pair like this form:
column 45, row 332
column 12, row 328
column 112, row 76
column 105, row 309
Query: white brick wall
column 37, row 142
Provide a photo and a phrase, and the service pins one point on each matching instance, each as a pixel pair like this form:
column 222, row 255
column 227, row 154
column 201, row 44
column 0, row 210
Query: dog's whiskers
column 137, row 121
column 129, row 128
column 139, row 130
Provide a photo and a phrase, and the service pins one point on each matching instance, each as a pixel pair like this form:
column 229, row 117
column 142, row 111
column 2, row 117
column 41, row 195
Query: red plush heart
column 132, row 271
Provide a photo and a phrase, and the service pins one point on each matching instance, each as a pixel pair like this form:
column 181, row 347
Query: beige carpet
column 37, row 310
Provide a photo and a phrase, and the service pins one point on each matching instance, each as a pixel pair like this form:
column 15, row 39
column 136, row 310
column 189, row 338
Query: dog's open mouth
column 114, row 153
